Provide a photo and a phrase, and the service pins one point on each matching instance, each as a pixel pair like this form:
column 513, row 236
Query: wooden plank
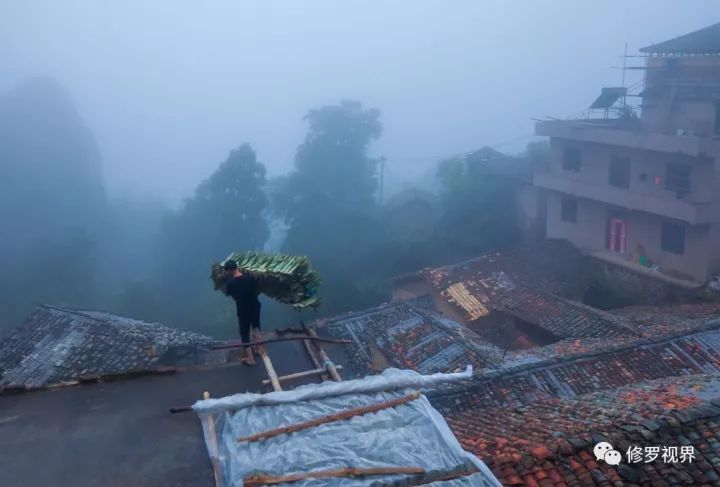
column 214, row 452
column 300, row 375
column 349, row 413
column 272, row 375
column 324, row 357
column 433, row 477
column 279, row 339
column 310, row 349
column 258, row 480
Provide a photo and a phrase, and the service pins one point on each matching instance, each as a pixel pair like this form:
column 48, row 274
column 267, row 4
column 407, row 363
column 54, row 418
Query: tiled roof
column 516, row 384
column 550, row 442
column 406, row 336
column 554, row 266
column 536, row 423
column 660, row 320
column 646, row 322
column 529, row 285
column 56, row 345
column 702, row 41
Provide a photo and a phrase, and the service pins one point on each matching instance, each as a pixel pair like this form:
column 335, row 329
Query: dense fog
column 140, row 142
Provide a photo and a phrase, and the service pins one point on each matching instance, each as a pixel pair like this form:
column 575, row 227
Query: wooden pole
column 310, row 349
column 300, row 375
column 280, row 339
column 258, row 480
column 324, row 357
column 440, row 476
column 349, row 413
column 272, row 375
column 212, row 436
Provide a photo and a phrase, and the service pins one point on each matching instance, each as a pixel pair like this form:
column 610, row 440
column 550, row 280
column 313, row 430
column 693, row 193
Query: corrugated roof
column 702, row 41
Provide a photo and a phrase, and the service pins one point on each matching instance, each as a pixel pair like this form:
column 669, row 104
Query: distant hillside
column 52, row 198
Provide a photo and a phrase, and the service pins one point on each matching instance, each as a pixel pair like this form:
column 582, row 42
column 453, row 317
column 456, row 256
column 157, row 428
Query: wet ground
column 121, row 433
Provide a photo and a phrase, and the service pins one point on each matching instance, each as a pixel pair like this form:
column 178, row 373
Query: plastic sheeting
column 413, row 434
column 389, row 379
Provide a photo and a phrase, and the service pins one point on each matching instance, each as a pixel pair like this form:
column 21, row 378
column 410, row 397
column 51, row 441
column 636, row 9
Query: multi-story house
column 644, row 190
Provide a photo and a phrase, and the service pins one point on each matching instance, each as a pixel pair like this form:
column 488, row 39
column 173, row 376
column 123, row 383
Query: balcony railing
column 683, row 209
column 624, row 133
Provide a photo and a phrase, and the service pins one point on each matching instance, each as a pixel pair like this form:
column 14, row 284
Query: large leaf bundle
column 285, row 278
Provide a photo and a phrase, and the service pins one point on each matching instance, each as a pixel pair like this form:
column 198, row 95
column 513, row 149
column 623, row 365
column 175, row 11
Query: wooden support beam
column 349, row 413
column 329, row 365
column 258, row 480
column 279, row 339
column 181, row 409
column 310, row 349
column 433, row 477
column 300, row 375
column 213, row 445
column 272, row 375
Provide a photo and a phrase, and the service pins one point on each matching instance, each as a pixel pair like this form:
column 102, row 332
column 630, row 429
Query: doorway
column 617, row 234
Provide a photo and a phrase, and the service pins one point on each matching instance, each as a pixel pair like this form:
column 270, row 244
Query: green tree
column 224, row 214
column 329, row 203
column 478, row 207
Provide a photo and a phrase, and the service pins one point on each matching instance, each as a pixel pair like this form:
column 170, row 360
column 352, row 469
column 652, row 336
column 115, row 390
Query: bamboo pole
column 440, row 476
column 258, row 480
column 329, row 365
column 280, row 339
column 272, row 375
column 349, row 413
column 310, row 349
column 300, row 375
column 214, row 452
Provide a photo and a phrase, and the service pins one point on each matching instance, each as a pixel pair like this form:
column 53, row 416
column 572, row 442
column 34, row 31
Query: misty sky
column 169, row 87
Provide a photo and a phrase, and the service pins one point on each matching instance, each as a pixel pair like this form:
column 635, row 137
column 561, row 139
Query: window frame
column 572, row 216
column 574, row 165
column 671, row 183
column 619, row 171
column 674, row 244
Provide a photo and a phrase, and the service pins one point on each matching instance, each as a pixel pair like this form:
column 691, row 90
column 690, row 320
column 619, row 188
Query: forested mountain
column 52, row 199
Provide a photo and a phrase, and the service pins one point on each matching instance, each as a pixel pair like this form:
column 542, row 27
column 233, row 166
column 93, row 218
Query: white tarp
column 389, row 379
column 413, row 434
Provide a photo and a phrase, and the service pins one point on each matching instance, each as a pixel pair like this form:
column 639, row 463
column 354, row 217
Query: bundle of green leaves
column 286, row 278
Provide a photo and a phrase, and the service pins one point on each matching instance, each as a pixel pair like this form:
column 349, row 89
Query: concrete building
column 643, row 190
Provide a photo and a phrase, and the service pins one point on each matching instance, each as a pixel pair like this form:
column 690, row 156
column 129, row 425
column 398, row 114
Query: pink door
column 618, row 235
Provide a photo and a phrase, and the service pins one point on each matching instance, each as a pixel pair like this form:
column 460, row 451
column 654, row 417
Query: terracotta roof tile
column 531, row 284
column 406, row 336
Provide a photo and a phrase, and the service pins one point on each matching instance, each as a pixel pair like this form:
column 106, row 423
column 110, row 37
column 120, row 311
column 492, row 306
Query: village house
column 643, row 190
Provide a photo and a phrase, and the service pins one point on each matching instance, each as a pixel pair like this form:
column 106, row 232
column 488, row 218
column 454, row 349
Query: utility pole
column 382, row 177
column 624, row 68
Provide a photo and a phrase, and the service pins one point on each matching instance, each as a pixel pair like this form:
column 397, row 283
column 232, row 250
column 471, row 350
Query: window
column 572, row 159
column 677, row 178
column 619, row 172
column 673, row 238
column 568, row 209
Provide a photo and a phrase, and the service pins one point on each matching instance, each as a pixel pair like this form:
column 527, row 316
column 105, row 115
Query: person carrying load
column 243, row 288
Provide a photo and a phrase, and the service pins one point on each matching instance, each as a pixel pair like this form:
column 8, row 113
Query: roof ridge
column 157, row 326
column 478, row 380
column 85, row 314
column 614, row 320
column 322, row 322
column 671, row 45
